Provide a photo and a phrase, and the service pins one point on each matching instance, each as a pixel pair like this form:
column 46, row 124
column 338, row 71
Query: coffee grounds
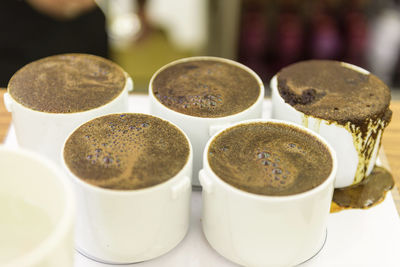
column 67, row 83
column 126, row 151
column 206, row 88
column 331, row 91
column 269, row 159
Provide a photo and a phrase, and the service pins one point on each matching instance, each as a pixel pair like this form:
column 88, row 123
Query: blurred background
column 264, row 35
column 142, row 36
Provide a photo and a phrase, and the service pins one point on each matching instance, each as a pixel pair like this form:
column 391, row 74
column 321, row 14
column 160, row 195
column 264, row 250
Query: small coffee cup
column 282, row 224
column 37, row 205
column 356, row 144
column 50, row 97
column 204, row 120
column 131, row 173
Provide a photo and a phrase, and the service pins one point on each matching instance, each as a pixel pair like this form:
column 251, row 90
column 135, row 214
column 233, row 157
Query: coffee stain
column 368, row 193
column 304, row 120
column 365, row 141
column 317, row 126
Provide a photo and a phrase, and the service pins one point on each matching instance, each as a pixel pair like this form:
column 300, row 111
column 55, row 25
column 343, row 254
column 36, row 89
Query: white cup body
column 129, row 226
column 45, row 133
column 35, row 182
column 337, row 135
column 200, row 129
column 257, row 230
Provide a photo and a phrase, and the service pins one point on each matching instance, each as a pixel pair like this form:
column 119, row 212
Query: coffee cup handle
column 205, row 182
column 130, row 84
column 180, row 187
column 217, row 127
column 7, row 102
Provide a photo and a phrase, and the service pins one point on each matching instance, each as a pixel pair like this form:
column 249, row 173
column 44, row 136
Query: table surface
column 390, row 152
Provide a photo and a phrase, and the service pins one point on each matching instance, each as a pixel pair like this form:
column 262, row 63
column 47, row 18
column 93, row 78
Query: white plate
column 355, row 237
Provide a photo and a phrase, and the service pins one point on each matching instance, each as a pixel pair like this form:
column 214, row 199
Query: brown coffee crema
column 338, row 94
column 126, row 151
column 67, row 83
column 206, row 88
column 270, row 159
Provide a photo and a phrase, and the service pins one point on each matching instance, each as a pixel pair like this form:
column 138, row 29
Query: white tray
column 355, row 237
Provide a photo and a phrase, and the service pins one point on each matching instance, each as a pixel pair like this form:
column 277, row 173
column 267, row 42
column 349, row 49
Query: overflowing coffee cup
column 344, row 103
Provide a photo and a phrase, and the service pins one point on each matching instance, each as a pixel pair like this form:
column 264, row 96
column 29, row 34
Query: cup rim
column 145, row 190
column 128, row 83
column 329, row 180
column 63, row 224
column 199, row 58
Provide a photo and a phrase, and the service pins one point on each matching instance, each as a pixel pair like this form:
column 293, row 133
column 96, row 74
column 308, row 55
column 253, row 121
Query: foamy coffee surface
column 206, row 88
column 126, row 151
column 67, row 83
column 269, row 159
column 332, row 91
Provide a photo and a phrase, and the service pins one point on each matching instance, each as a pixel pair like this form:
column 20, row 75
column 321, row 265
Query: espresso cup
column 266, row 228
column 134, row 218
column 42, row 130
column 357, row 146
column 200, row 127
column 37, row 205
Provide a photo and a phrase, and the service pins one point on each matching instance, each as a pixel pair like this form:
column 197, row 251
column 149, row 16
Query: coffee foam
column 126, row 151
column 206, row 88
column 269, row 159
column 67, row 83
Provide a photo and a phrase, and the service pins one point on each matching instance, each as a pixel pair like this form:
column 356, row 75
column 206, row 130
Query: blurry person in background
column 33, row 29
column 384, row 44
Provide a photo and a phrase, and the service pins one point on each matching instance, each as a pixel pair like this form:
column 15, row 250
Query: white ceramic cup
column 200, row 129
column 340, row 138
column 45, row 133
column 258, row 230
column 37, row 212
column 129, row 226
